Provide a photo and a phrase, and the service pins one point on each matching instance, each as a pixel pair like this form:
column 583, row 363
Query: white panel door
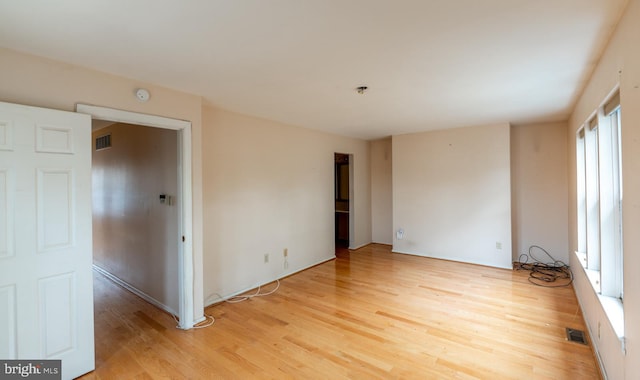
column 46, row 283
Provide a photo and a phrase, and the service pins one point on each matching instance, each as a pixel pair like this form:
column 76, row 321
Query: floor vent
column 576, row 336
column 103, row 142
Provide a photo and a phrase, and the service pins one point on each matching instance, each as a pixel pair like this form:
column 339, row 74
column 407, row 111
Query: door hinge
column 183, row 239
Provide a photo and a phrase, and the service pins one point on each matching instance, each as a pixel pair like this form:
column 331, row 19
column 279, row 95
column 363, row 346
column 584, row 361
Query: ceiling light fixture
column 361, row 89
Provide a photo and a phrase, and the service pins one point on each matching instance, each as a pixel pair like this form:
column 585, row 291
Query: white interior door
column 46, row 283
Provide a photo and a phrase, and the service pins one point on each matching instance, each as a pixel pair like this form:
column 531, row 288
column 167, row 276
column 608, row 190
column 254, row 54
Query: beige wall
column 539, row 189
column 452, row 196
column 40, row 82
column 381, row 194
column 305, row 176
column 135, row 237
column 619, row 66
column 268, row 187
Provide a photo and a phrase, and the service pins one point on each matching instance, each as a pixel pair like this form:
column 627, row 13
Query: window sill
column 615, row 313
column 612, row 306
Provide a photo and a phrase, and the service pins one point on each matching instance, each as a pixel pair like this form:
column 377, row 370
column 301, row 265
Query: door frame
column 185, row 196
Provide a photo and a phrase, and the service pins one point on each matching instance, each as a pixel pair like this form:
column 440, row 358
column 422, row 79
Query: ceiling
column 429, row 64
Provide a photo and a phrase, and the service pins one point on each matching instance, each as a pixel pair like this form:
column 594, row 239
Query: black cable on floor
column 550, row 274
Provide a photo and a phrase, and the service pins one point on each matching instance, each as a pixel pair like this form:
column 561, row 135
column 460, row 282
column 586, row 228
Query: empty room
column 320, row 189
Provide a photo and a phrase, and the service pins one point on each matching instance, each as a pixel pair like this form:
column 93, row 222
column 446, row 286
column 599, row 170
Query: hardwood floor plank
column 369, row 314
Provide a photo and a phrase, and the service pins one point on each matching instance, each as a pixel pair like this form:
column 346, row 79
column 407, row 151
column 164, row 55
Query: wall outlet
column 498, row 245
column 400, row 234
column 286, row 264
column 266, row 258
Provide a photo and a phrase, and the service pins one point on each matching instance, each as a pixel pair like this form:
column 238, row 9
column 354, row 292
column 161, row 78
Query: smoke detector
column 142, row 95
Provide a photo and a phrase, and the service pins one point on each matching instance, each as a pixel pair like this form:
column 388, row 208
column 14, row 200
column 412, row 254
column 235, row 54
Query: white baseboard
column 208, row 303
column 358, row 247
column 134, row 290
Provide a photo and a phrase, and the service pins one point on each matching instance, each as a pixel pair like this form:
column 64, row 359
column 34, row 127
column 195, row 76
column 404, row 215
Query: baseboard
column 593, row 343
column 240, row 292
column 358, row 247
column 455, row 260
column 381, row 243
column 134, row 290
column 308, row 267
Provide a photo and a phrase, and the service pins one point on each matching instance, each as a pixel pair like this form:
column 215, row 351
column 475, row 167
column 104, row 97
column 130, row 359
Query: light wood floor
column 368, row 314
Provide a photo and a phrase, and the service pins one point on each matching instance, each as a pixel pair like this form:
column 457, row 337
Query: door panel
column 6, row 135
column 6, row 230
column 8, row 331
column 55, row 209
column 57, row 319
column 51, row 139
column 46, row 283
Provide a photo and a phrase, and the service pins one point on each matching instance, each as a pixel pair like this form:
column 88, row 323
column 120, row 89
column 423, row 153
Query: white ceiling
column 429, row 64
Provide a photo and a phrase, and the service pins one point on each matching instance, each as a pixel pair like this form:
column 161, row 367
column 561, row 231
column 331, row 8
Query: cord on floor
column 209, row 320
column 235, row 299
column 241, row 298
column 551, row 274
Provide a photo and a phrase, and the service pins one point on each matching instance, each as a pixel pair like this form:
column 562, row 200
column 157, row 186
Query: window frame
column 599, row 198
column 599, row 229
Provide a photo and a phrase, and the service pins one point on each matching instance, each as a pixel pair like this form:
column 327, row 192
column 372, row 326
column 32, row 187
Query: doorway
column 343, row 201
column 183, row 199
column 135, row 214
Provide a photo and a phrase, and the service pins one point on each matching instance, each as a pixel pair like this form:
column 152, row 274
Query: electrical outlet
column 498, row 245
column 266, row 258
column 286, row 264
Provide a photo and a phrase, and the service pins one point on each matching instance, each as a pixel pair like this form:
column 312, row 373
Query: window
column 599, row 197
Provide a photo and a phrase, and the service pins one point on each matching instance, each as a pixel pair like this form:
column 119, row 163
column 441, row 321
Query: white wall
column 134, row 235
column 40, row 82
column 381, row 192
column 620, row 65
column 539, row 189
column 452, row 194
column 268, row 187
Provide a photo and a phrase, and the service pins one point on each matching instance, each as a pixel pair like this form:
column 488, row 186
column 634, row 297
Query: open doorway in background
column 342, row 177
column 187, row 315
column 135, row 210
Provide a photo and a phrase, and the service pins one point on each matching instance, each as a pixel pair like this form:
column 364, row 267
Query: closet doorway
column 343, row 200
